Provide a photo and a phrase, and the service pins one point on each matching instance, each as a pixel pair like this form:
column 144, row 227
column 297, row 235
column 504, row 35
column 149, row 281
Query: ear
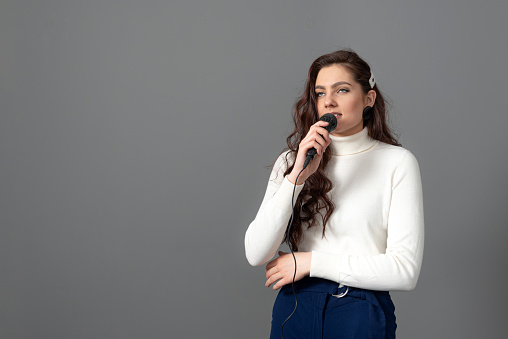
column 370, row 98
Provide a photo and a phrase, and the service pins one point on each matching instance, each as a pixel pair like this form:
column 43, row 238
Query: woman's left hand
column 282, row 269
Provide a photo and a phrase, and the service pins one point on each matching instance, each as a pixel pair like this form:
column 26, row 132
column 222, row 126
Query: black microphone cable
column 332, row 124
column 291, row 249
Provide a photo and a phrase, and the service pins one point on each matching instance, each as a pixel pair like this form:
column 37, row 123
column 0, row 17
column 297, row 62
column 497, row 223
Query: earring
column 367, row 113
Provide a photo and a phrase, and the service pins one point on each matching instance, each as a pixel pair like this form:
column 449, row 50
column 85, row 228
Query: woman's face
column 338, row 93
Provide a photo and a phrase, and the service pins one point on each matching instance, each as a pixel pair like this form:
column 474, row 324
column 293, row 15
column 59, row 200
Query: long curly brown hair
column 314, row 202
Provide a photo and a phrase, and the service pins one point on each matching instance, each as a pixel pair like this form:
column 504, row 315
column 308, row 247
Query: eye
column 319, row 94
column 343, row 90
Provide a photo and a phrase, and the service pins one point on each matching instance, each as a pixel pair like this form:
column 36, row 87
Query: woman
column 358, row 211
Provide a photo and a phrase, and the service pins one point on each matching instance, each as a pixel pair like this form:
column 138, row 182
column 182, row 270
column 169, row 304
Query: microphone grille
column 331, row 120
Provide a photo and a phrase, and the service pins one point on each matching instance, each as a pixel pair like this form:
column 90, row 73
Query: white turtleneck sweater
column 374, row 237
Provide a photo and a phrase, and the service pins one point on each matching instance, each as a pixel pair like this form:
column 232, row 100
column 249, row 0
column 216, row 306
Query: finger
column 273, row 278
column 320, row 148
column 323, row 132
column 321, row 123
column 321, row 141
column 314, row 136
column 280, row 284
column 318, row 133
column 271, row 272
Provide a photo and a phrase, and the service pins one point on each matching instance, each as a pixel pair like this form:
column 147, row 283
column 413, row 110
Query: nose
column 330, row 101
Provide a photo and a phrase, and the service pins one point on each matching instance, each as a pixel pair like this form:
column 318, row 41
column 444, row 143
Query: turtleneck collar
column 352, row 144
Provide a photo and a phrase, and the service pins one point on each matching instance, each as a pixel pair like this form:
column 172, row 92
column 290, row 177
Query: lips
column 337, row 114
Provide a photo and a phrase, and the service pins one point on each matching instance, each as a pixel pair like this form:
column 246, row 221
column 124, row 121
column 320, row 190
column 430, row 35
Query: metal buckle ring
column 343, row 294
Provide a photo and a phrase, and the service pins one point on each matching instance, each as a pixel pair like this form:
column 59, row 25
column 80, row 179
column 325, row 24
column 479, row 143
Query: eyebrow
column 335, row 84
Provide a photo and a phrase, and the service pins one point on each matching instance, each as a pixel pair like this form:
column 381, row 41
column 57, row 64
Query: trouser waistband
column 311, row 284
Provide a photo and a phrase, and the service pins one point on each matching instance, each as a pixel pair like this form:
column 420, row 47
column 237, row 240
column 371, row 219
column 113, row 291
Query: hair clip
column 372, row 81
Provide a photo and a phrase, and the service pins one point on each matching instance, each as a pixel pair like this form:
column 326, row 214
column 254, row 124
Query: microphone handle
column 311, row 154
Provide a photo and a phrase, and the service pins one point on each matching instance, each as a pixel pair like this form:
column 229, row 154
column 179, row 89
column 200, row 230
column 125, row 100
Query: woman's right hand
column 318, row 138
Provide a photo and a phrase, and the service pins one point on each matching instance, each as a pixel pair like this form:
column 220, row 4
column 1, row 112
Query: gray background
column 134, row 140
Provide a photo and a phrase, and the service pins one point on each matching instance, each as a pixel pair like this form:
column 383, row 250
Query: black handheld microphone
column 332, row 125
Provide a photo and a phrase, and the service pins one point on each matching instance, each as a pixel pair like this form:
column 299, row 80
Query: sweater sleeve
column 399, row 267
column 266, row 231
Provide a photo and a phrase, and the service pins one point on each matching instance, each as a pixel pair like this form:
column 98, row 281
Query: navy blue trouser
column 360, row 314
